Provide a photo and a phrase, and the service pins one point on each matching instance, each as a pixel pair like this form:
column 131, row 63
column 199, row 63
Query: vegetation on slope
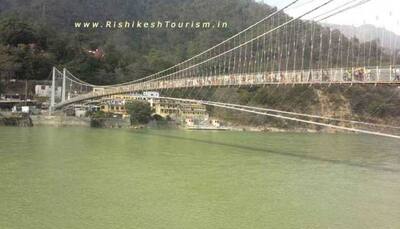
column 129, row 54
column 140, row 112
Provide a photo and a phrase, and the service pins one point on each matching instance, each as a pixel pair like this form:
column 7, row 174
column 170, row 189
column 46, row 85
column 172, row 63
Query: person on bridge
column 359, row 74
column 397, row 74
column 347, row 75
column 368, row 74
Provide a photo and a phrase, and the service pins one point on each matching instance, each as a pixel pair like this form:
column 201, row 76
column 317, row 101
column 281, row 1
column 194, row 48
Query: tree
column 14, row 32
column 8, row 63
column 139, row 111
column 1, row 87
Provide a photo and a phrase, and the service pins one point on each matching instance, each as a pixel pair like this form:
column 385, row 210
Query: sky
column 381, row 13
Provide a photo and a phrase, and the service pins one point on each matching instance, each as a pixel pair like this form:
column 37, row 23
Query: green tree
column 14, row 31
column 7, row 61
column 139, row 111
column 1, row 87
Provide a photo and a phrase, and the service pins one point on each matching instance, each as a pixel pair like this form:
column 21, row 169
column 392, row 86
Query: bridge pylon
column 53, row 92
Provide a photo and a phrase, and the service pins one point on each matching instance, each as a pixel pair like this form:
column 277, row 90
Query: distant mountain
column 389, row 39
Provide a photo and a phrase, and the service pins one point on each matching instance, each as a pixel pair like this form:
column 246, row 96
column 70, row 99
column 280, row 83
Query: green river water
column 55, row 178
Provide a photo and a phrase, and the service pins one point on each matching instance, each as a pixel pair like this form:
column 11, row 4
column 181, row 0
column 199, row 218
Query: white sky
column 381, row 13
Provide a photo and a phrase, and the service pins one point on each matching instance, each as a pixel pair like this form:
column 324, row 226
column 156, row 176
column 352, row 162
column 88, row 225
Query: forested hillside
column 129, row 54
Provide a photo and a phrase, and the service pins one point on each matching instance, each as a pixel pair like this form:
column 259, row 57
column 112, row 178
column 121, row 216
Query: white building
column 215, row 123
column 45, row 91
column 98, row 89
column 80, row 112
column 151, row 94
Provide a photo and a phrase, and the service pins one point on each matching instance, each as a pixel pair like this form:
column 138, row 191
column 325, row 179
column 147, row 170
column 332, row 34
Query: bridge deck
column 315, row 77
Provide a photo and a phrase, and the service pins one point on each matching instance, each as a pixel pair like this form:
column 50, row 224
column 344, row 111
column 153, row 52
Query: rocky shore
column 16, row 120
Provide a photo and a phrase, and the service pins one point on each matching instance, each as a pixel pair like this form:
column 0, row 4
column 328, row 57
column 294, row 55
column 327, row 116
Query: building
column 176, row 110
column 115, row 107
column 17, row 90
column 181, row 111
column 216, row 123
column 97, row 53
column 153, row 94
column 98, row 89
column 166, row 108
column 26, row 109
column 193, row 110
column 45, row 91
column 116, row 103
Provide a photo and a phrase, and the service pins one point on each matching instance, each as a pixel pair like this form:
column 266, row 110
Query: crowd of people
column 366, row 75
column 369, row 74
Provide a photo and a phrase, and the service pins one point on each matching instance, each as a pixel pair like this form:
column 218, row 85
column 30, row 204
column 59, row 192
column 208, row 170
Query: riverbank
column 19, row 120
column 109, row 123
column 59, row 121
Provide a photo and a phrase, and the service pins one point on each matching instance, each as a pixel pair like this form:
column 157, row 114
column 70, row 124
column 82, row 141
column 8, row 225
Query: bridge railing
column 371, row 75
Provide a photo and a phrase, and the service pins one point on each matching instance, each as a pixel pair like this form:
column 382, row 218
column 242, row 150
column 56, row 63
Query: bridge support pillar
column 63, row 85
column 53, row 91
column 378, row 74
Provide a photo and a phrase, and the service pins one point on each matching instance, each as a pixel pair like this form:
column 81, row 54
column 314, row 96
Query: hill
column 389, row 39
column 130, row 54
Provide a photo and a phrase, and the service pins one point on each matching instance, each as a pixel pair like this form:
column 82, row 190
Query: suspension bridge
column 277, row 50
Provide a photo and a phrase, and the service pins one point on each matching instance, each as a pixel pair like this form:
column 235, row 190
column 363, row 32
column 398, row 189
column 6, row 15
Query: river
column 101, row 178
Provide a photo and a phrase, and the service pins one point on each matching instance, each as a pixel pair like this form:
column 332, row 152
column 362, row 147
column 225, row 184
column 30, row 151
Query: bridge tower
column 53, row 91
column 63, row 85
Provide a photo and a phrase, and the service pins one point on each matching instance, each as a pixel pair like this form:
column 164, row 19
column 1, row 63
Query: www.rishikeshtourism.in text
column 150, row 25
